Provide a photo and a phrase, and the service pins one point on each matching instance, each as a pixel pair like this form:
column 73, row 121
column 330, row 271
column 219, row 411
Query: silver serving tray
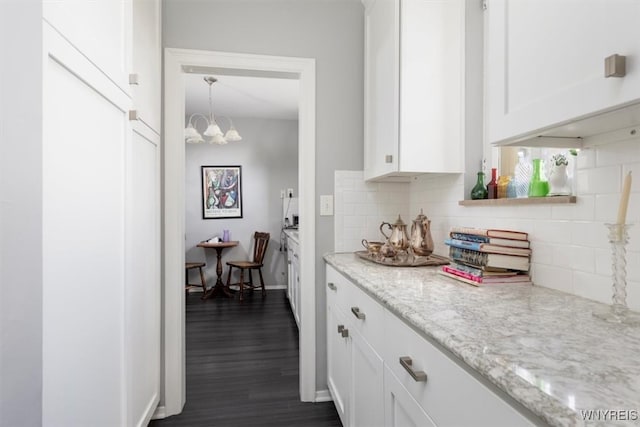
column 421, row 261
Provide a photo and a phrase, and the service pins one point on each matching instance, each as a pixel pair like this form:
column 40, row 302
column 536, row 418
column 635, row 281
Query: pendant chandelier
column 212, row 133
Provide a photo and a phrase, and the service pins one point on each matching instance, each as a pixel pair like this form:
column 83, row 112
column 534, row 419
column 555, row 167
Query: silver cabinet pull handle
column 407, row 363
column 356, row 312
column 332, row 286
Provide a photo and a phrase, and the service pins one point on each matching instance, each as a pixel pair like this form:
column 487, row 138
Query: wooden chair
column 261, row 241
column 189, row 266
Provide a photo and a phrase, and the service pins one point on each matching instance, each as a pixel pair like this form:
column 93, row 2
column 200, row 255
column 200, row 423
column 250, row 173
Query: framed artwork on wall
column 221, row 192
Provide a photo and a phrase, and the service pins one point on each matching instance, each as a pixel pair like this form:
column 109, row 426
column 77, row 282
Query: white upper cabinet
column 100, row 29
column 414, row 88
column 147, row 61
column 545, row 69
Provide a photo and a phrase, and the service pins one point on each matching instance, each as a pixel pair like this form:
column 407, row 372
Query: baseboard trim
column 159, row 413
column 323, row 396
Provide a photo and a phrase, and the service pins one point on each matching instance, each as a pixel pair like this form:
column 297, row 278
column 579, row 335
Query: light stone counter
column 542, row 347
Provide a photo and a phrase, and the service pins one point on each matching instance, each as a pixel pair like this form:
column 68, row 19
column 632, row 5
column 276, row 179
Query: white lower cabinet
column 293, row 278
column 400, row 409
column 366, row 375
column 383, row 373
column 338, row 361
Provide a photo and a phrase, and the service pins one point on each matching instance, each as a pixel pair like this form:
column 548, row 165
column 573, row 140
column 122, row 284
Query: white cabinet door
column 142, row 281
column 338, row 361
column 432, row 86
column 147, row 54
column 381, row 76
column 414, row 88
column 296, row 285
column 85, row 135
column 290, row 275
column 100, row 29
column 400, row 409
column 544, row 62
column 293, row 278
column 367, row 376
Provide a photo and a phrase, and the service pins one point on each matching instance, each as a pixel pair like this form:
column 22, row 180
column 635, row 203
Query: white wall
column 571, row 252
column 268, row 154
column 21, row 213
column 331, row 31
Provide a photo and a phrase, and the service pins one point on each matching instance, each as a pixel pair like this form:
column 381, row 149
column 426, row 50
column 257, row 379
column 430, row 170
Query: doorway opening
column 179, row 63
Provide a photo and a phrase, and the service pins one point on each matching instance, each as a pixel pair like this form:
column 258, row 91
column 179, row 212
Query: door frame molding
column 177, row 63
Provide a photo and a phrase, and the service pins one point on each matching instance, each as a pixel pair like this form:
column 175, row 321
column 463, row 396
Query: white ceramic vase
column 559, row 181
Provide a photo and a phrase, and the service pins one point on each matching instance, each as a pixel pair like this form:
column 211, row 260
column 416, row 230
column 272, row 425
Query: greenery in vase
column 559, row 159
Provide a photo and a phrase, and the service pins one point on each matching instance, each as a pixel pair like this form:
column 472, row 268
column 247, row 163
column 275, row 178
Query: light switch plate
column 326, row 205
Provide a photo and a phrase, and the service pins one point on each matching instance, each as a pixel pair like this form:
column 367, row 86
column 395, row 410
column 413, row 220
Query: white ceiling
column 243, row 96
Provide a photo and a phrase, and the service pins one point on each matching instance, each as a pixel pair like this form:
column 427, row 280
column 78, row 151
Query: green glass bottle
column 479, row 191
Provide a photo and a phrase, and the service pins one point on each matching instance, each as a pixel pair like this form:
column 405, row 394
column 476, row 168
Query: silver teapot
column 398, row 238
column 421, row 242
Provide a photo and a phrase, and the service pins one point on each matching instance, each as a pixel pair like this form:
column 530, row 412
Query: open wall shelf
column 518, row 202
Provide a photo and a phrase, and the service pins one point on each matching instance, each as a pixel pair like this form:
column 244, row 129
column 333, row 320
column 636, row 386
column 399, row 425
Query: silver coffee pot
column 421, row 242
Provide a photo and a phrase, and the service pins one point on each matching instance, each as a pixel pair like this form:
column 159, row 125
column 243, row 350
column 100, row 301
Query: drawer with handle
column 439, row 384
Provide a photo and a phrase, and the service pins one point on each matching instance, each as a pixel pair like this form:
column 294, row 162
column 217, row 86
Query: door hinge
column 484, row 4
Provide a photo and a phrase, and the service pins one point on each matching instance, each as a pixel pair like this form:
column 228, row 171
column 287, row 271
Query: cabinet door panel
column 147, row 65
column 400, row 409
column 338, row 362
column 431, row 85
column 544, row 61
column 382, row 51
column 83, row 196
column 100, row 29
column 366, row 405
column 142, row 302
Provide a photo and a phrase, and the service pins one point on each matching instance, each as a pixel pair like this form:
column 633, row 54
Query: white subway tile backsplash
column 533, row 212
column 571, row 251
column 633, row 266
column 580, row 258
column 607, row 207
column 592, row 286
column 633, row 295
column 552, row 277
column 542, row 253
column 551, row 231
column 592, row 234
column 602, row 261
column 587, row 158
column 618, row 153
column 602, row 180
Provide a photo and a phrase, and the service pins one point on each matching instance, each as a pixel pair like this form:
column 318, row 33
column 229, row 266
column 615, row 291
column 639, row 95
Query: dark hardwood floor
column 242, row 366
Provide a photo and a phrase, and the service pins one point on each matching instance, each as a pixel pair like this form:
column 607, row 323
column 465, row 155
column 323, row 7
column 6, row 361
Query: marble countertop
column 542, row 347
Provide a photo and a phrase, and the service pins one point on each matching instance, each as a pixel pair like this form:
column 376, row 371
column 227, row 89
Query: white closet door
column 100, row 29
column 142, row 285
column 85, row 132
column 147, row 61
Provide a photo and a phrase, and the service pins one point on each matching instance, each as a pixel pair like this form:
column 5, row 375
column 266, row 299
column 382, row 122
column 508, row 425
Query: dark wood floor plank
column 242, row 366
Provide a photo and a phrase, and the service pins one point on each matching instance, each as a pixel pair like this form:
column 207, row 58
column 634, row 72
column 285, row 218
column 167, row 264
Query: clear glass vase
column 618, row 312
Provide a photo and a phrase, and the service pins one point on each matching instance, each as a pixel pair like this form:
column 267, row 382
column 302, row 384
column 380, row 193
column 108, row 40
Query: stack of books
column 482, row 257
